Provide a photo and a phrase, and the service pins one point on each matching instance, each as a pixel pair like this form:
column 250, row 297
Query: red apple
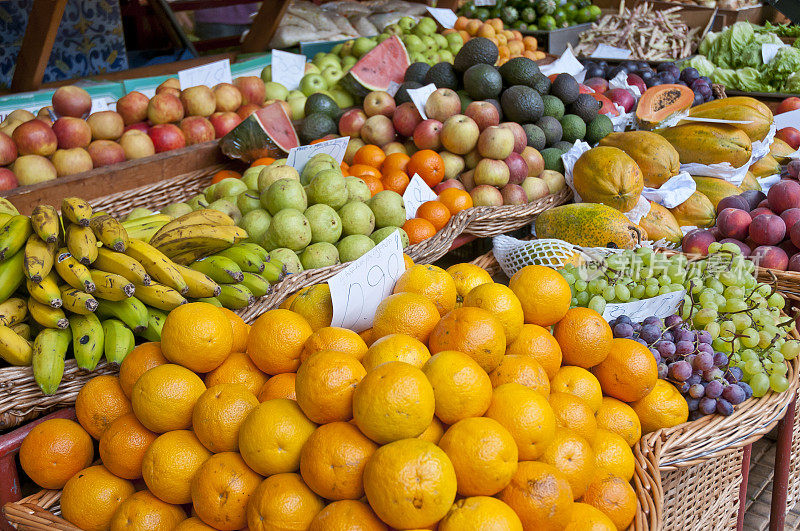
column 252, row 89
column 8, row 150
column 170, row 84
column 789, row 104
column 534, row 160
column 164, row 108
column 35, row 138
column 133, row 107
column 428, row 135
column 227, row 97
column 105, row 153
column 597, row 84
column 8, row 181
column 790, row 135
column 138, row 126
column 379, row 102
column 378, row 130
column 166, row 137
column 247, row 109
column 483, row 113
column 197, row 130
column 460, row 134
column 106, row 125
column 351, row 122
column 72, row 132
column 520, row 138
column 45, row 115
column 448, row 183
column 406, row 117
column 71, row 101
column 442, row 104
column 224, row 122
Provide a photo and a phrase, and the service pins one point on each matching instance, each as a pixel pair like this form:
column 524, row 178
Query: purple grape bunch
column 686, row 359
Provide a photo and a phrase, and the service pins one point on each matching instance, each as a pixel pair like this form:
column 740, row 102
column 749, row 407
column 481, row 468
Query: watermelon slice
column 265, row 133
column 383, row 64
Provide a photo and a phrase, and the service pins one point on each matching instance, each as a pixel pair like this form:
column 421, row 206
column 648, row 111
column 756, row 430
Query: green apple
column 406, row 24
column 332, row 74
column 347, row 49
column 430, row 43
column 342, row 98
column 413, row 43
column 266, row 74
column 312, row 83
column 454, row 48
column 382, row 37
column 311, row 68
column 454, row 39
column 445, row 56
column 295, row 94
column 425, row 26
column 417, row 57
column 318, row 56
column 297, row 104
column 441, row 41
column 393, row 29
column 363, row 45
column 328, row 60
column 431, row 57
column 275, row 91
column 250, row 177
column 348, row 62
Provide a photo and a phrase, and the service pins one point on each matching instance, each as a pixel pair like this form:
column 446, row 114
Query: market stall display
column 540, row 15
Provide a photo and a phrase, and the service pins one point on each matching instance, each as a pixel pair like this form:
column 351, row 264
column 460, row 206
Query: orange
column 197, row 335
column 435, row 212
column 282, row 501
column 433, row 433
column 276, row 340
column 137, row 362
column 396, row 347
column 614, row 497
column 325, row 385
column 405, row 313
column 526, row 415
column 474, row 332
column 483, row 453
column 262, row 161
column 584, row 517
column 395, row 162
column 164, row 396
column 123, row 445
column 334, row 338
column 54, row 451
column 333, row 459
column 573, row 456
column 584, row 337
column 629, row 372
column 220, row 491
column 346, row 515
column 579, row 382
column 144, row 512
column 367, row 337
column 431, row 282
column 279, row 386
column 544, row 294
column 487, row 31
column 314, row 304
column 238, row 368
column 538, row 343
column 480, row 512
column 227, row 174
column 272, row 435
column 393, row 401
column 540, row 495
column 461, row 23
column 455, row 200
column 573, row 413
column 663, row 407
column 193, row 524
column 468, row 276
column 170, row 463
column 100, row 402
column 91, row 496
column 620, row 418
column 364, row 170
column 218, row 415
column 239, row 328
column 501, row 302
column 473, row 26
column 410, row 483
column 524, row 370
column 427, row 164
column 370, row 155
column 395, row 180
column 373, row 183
column 612, row 454
column 407, row 261
column 345, row 167
column 461, row 389
column 418, row 230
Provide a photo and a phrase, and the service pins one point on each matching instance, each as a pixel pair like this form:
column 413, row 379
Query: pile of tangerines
column 510, row 43
column 459, row 408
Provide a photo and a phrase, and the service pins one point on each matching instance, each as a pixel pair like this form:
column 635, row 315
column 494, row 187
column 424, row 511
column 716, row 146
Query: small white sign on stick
column 446, row 17
column 288, row 68
column 417, row 192
column 298, row 157
column 209, row 75
column 420, row 96
column 604, row 51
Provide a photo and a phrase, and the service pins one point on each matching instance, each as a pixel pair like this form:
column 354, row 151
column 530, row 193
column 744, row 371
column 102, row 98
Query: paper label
column 298, row 157
column 788, row 119
column 714, row 120
column 566, row 64
column 357, row 290
column 661, row 306
column 288, row 68
column 393, row 87
column 420, row 96
column 209, row 75
column 604, row 51
column 769, row 51
column 417, row 192
column 446, row 17
column 101, row 104
column 484, row 3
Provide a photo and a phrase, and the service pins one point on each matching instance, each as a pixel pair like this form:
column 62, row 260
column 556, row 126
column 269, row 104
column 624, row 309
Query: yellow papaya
column 697, row 211
column 741, row 108
column 780, row 151
column 660, row 224
column 659, row 104
column 765, row 167
column 607, row 175
column 749, row 183
column 588, row 225
column 715, row 189
column 656, row 157
column 709, row 143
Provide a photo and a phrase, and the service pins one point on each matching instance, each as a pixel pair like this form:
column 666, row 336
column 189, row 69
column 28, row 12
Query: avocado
column 563, row 146
column 482, row 82
column 521, row 104
column 442, row 75
column 401, row 96
column 465, row 100
column 585, row 106
column 599, row 128
column 553, row 106
column 552, row 159
column 536, row 138
column 323, row 104
column 551, row 128
column 519, row 71
column 478, row 50
column 565, row 88
column 540, row 83
column 416, row 72
column 316, row 125
column 572, row 128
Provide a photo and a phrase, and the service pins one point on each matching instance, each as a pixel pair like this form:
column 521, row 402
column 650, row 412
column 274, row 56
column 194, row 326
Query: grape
column 672, row 321
column 713, row 374
column 750, row 337
column 656, row 355
column 778, row 383
column 776, row 301
column 705, row 347
column 724, row 407
column 666, row 349
column 568, row 277
column 713, row 330
column 776, row 357
column 667, row 335
column 790, row 349
column 720, row 359
column 741, row 321
column 695, row 378
column 638, row 291
column 705, row 316
column 704, row 337
column 759, row 384
column 624, row 319
column 764, row 290
column 707, row 406
column 583, row 298
column 680, row 371
column 735, row 374
column 748, row 391
column 597, row 303
column 663, row 371
column 664, row 281
column 594, row 286
column 682, row 387
column 702, row 361
column 580, row 285
column 683, row 348
column 692, row 403
column 714, row 389
column 623, row 330
column 707, row 297
column 651, row 290
column 622, row 292
column 734, row 394
column 697, row 390
column 650, row 333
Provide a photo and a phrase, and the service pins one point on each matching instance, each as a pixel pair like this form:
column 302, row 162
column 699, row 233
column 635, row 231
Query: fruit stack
column 509, row 43
column 545, row 15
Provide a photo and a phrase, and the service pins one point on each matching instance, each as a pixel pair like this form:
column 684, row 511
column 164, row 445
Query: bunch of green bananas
column 90, row 282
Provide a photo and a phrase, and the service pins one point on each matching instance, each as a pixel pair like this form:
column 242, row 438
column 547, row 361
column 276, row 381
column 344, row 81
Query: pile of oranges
column 510, row 43
column 459, row 408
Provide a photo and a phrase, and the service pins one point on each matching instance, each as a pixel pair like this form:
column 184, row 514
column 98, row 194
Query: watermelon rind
column 257, row 135
column 380, row 66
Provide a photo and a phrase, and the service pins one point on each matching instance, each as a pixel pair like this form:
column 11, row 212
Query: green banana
column 110, row 232
column 121, row 264
column 46, row 291
column 13, row 311
column 77, row 301
column 38, row 258
column 257, row 284
column 82, row 243
column 11, row 275
column 76, row 210
column 73, row 272
column 130, row 311
column 13, row 235
column 118, row 340
column 87, row 340
column 183, row 245
column 159, row 296
column 272, row 273
column 210, row 300
column 46, row 315
column 155, row 322
column 254, row 247
column 199, row 284
column 14, row 348
column 49, row 350
column 110, row 286
column 46, row 223
column 235, row 296
column 246, row 259
column 220, row 269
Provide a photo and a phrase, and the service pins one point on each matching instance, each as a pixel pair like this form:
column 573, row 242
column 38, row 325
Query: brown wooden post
column 40, row 34
column 264, row 26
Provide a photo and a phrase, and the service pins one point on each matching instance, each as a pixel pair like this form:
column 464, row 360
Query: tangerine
column 395, row 180
column 540, row 495
column 279, row 386
column 100, row 402
column 395, row 162
column 435, row 212
column 54, row 451
column 455, row 200
column 427, row 164
column 369, row 155
column 418, row 230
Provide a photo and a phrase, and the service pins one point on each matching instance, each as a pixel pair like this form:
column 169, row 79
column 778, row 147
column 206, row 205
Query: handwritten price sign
column 420, row 97
column 298, row 157
column 446, row 17
column 417, row 192
column 357, row 290
column 288, row 68
column 101, row 104
column 661, row 306
column 209, row 75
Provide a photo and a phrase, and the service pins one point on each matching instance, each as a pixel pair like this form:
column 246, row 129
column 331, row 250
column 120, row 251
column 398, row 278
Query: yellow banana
column 82, row 244
column 121, row 264
column 73, row 272
column 130, row 311
column 5, row 216
column 46, row 291
column 235, row 296
column 46, row 316
column 159, row 296
column 200, row 285
column 13, row 311
column 77, row 301
column 13, row 235
column 203, row 216
column 14, row 348
column 7, row 207
column 49, row 351
column 46, row 223
column 23, row 330
column 110, row 286
column 198, row 240
column 145, row 220
column 76, row 210
column 38, row 260
column 87, row 340
column 118, row 340
column 159, row 267
column 110, row 232
column 145, row 231
column 11, row 275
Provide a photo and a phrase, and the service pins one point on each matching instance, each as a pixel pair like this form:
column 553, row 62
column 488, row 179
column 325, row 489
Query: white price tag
column 661, row 306
column 393, row 87
column 484, row 3
column 417, row 192
column 298, row 157
column 788, row 119
column 149, row 92
column 101, row 104
column 420, row 96
column 357, row 290
column 769, row 51
column 288, row 68
column 443, row 16
column 209, row 75
column 604, row 51
column 714, row 120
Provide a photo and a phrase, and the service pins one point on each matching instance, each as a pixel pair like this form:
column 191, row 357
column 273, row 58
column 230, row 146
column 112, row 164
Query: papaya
column 607, row 175
column 656, row 157
column 750, row 183
column 780, row 151
column 739, row 108
column 697, row 211
column 765, row 167
column 709, row 143
column 660, row 103
column 660, row 224
column 588, row 225
column 715, row 189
